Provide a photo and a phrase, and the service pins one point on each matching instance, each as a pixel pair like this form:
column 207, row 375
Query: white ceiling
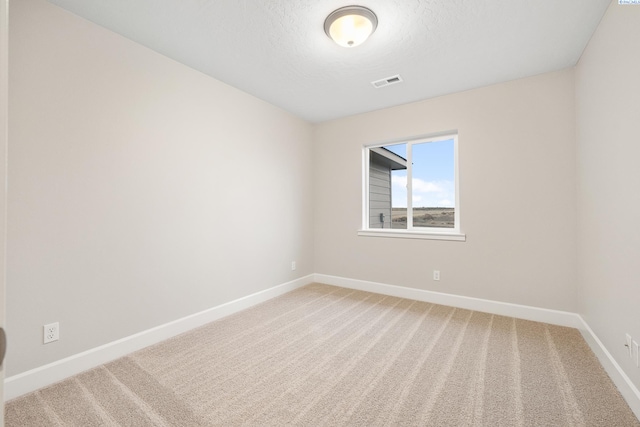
column 277, row 50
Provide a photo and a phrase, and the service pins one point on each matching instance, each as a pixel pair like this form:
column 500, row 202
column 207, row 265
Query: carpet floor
column 329, row 356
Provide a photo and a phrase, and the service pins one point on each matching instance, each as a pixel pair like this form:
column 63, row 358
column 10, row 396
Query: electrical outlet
column 635, row 352
column 51, row 332
column 436, row 274
column 628, row 345
column 293, row 265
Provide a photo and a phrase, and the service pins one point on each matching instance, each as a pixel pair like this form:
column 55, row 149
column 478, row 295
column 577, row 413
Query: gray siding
column 379, row 192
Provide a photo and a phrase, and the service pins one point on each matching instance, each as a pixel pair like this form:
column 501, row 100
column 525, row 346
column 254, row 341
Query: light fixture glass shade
column 350, row 26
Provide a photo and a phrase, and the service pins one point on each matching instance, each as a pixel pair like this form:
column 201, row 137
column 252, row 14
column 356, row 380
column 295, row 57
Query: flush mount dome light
column 350, row 26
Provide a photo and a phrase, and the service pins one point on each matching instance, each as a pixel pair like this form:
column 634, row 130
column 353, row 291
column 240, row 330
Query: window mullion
column 366, row 197
column 409, row 187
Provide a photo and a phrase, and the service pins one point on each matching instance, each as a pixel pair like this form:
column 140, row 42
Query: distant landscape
column 423, row 217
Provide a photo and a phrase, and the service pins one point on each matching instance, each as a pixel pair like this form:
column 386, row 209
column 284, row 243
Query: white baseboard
column 554, row 317
column 626, row 387
column 562, row 318
column 35, row 379
column 43, row 376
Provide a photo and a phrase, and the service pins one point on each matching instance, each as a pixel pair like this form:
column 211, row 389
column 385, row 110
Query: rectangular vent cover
column 387, row 81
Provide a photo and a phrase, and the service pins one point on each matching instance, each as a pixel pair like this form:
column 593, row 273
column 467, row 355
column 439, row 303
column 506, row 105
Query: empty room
column 320, row 213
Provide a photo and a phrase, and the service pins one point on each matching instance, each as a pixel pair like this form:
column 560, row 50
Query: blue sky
column 433, row 175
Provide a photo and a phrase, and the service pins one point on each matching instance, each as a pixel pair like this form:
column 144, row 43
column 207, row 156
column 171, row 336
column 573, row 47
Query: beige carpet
column 328, row 356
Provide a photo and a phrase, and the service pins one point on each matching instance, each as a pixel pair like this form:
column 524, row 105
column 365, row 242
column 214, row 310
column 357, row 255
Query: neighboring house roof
column 389, row 158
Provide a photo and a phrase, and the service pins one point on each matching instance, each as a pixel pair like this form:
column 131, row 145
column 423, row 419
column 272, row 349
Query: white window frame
column 431, row 233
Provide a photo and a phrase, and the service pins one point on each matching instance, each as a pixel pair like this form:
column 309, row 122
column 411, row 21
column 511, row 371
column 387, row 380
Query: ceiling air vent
column 387, row 81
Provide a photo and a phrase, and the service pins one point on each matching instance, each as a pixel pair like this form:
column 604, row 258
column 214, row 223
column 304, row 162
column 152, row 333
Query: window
column 411, row 189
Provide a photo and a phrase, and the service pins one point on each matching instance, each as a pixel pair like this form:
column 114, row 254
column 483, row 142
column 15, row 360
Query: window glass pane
column 387, row 165
column 433, row 192
column 399, row 200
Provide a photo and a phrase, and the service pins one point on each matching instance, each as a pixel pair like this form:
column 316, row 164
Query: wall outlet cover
column 51, row 332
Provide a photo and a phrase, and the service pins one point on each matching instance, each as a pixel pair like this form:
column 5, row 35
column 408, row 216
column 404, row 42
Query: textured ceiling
column 277, row 50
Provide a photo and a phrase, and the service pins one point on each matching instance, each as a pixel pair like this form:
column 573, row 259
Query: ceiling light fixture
column 350, row 26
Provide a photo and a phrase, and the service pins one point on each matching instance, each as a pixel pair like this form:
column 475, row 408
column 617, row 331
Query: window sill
column 401, row 234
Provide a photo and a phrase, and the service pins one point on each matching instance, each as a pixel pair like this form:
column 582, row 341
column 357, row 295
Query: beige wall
column 608, row 135
column 517, row 192
column 4, row 71
column 140, row 191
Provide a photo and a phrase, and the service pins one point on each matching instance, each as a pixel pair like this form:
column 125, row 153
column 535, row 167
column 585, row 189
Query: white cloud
column 425, row 193
column 420, row 186
column 399, row 181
